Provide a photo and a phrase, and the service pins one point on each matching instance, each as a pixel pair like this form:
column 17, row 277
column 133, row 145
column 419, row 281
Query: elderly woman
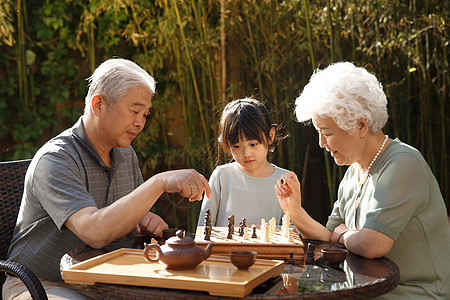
column 389, row 203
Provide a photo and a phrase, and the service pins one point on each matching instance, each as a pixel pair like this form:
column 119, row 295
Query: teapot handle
column 147, row 248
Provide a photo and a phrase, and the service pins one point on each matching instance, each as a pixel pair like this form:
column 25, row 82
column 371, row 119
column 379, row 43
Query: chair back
column 12, row 176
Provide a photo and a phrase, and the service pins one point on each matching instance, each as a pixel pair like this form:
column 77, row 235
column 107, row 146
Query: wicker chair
column 12, row 175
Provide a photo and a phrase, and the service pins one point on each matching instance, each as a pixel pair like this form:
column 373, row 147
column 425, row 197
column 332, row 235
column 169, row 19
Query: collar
column 83, row 140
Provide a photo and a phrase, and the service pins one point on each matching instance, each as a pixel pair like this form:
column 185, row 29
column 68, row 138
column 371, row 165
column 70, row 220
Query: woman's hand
column 288, row 193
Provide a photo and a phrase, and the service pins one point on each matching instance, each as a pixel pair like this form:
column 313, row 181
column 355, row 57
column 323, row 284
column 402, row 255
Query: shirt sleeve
column 399, row 195
column 58, row 186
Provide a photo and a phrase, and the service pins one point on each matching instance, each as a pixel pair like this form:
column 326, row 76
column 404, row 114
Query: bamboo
column 309, row 34
column 223, row 63
column 21, row 54
column 194, row 81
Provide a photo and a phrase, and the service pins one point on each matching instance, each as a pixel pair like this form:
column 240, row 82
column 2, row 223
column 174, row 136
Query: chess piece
column 290, row 235
column 207, row 234
column 231, row 223
column 310, row 254
column 272, row 224
column 207, row 220
column 266, row 232
column 291, row 258
column 241, row 228
column 245, row 237
column 254, row 236
column 230, row 230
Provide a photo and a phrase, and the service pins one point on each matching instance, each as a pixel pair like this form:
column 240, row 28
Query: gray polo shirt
column 66, row 175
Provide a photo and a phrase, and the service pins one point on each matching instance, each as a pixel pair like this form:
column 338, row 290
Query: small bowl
column 334, row 256
column 243, row 259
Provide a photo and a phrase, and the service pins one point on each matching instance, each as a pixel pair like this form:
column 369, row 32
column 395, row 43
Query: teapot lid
column 179, row 239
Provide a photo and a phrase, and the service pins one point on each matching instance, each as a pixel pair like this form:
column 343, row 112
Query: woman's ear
column 362, row 126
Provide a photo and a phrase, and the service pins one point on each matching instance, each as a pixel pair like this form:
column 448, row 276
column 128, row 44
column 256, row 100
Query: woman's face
column 343, row 146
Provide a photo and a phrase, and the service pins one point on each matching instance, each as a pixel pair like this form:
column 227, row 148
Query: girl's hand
column 288, row 193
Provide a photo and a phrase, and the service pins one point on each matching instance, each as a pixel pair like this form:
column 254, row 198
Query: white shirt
column 235, row 193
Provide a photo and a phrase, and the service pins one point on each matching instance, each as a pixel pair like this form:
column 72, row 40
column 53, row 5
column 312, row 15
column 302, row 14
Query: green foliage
column 272, row 48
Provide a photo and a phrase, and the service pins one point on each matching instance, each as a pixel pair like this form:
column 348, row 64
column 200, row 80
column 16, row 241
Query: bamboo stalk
column 194, row 81
column 331, row 30
column 21, row 54
column 223, row 63
column 309, row 34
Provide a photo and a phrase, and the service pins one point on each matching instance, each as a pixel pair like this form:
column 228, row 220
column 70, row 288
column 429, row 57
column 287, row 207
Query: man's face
column 122, row 123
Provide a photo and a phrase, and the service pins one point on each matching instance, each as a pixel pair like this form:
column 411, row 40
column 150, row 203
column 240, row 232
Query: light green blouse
column 401, row 199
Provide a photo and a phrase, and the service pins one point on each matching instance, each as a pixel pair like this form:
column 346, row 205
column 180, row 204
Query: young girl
column 245, row 187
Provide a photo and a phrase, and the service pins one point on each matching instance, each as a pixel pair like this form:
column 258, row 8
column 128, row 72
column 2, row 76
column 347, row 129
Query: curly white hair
column 345, row 93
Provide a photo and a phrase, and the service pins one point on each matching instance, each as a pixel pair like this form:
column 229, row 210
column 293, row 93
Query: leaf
column 30, row 57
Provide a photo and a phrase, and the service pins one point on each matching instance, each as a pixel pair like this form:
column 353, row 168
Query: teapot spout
column 207, row 251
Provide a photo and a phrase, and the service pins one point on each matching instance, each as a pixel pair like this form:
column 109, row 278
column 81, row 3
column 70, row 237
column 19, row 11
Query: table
column 356, row 278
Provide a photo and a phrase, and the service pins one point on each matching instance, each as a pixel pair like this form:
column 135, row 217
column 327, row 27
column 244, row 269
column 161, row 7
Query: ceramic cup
column 243, row 259
column 334, row 256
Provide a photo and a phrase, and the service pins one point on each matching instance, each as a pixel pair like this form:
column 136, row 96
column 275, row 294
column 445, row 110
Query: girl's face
column 343, row 146
column 251, row 156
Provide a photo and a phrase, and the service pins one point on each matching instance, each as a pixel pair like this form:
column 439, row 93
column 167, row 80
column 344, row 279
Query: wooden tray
column 216, row 275
column 277, row 248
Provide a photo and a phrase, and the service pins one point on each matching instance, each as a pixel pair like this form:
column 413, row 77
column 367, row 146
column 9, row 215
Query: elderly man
column 84, row 187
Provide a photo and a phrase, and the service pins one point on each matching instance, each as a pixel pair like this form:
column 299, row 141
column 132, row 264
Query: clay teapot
column 179, row 252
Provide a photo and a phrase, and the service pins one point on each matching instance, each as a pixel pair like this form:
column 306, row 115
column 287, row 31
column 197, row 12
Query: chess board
column 277, row 248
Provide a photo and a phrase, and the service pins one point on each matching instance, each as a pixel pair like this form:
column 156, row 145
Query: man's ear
column 98, row 104
column 362, row 126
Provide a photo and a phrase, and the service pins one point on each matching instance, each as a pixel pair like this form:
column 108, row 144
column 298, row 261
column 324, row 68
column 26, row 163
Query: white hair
column 344, row 93
column 114, row 77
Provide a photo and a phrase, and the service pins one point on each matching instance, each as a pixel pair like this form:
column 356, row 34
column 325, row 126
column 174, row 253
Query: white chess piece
column 245, row 237
column 286, row 223
column 266, row 232
column 273, row 225
column 291, row 235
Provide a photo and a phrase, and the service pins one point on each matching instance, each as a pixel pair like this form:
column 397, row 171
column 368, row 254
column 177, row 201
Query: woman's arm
column 366, row 242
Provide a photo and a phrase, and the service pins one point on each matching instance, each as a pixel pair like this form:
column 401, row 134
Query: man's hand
column 152, row 223
column 189, row 183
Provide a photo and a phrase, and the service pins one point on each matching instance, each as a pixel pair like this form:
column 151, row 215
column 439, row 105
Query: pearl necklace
column 366, row 173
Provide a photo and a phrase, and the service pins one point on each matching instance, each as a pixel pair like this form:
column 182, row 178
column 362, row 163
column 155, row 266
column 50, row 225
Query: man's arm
column 99, row 227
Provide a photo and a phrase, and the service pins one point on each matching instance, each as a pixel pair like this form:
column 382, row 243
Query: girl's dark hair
column 247, row 118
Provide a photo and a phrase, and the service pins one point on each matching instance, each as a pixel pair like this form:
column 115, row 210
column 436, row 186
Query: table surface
column 356, row 278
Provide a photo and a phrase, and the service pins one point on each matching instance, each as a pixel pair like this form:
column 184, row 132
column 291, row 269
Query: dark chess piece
column 231, row 221
column 207, row 232
column 310, row 254
column 254, row 236
column 291, row 258
column 241, row 228
column 230, row 230
column 207, row 218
